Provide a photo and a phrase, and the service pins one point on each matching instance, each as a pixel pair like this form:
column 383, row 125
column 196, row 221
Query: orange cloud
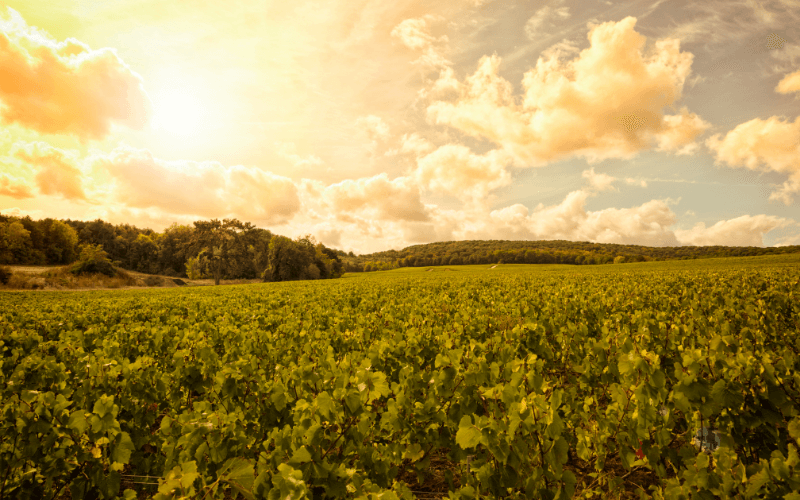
column 206, row 189
column 607, row 102
column 65, row 87
column 14, row 188
column 789, row 83
column 453, row 169
column 766, row 145
column 398, row 199
column 58, row 173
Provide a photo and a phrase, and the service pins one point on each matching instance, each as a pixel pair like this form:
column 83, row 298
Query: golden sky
column 376, row 125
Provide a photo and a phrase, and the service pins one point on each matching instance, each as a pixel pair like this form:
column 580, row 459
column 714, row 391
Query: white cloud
column 374, row 127
column 545, row 19
column 763, row 145
column 455, row 170
column 415, row 34
column 599, row 182
column 607, row 102
column 415, row 144
column 377, row 197
column 288, row 151
column 746, row 230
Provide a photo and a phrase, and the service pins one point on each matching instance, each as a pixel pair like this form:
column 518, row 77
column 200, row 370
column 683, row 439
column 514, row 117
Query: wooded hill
column 541, row 252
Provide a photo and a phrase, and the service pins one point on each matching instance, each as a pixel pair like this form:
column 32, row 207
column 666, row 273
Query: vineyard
column 671, row 380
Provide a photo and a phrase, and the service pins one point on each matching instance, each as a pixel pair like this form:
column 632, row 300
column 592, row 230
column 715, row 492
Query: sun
column 178, row 112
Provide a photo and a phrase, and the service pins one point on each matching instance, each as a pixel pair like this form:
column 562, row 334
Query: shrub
column 5, row 274
column 93, row 259
column 153, row 281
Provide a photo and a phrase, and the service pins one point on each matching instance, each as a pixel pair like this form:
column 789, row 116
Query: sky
column 374, row 125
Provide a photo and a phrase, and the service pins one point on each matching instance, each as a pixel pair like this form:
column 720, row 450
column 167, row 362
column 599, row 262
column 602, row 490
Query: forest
column 453, row 253
column 231, row 249
column 227, row 249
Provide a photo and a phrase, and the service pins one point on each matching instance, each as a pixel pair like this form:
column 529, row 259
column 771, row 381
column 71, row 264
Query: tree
column 260, row 251
column 173, row 248
column 143, row 254
column 61, row 241
column 93, row 259
column 288, row 260
column 221, row 243
column 15, row 242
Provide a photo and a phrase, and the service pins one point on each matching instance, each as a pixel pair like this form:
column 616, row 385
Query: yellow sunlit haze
column 376, row 125
column 177, row 112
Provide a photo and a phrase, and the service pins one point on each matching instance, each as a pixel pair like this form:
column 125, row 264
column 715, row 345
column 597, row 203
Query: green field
column 520, row 381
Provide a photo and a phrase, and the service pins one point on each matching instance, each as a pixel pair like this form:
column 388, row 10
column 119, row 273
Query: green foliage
column 517, row 382
column 14, row 241
column 93, row 259
column 5, row 275
column 291, row 260
column 538, row 252
column 194, row 268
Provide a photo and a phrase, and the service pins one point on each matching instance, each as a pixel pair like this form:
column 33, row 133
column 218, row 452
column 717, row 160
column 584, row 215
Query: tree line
column 219, row 249
column 453, row 253
column 230, row 249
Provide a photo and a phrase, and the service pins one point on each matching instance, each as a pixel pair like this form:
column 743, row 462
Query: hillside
column 541, row 252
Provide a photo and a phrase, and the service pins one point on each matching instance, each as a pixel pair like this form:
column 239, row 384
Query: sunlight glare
column 178, row 112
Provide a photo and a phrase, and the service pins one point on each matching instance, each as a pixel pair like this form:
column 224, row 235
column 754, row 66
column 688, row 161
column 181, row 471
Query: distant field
column 674, row 379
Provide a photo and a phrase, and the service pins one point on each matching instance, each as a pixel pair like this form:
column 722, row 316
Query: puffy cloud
column 545, row 18
column 600, row 182
column 398, row 199
column 57, row 170
column 766, row 145
column 647, row 224
column 18, row 212
column 206, row 189
column 455, row 170
column 375, row 128
column 680, row 132
column 446, row 83
column 329, row 236
column 288, row 151
column 747, row 230
column 790, row 83
column 14, row 187
column 414, row 34
column 65, row 87
column 415, row 144
column 607, row 102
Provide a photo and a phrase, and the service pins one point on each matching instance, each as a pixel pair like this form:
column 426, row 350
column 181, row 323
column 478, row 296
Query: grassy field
column 666, row 379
